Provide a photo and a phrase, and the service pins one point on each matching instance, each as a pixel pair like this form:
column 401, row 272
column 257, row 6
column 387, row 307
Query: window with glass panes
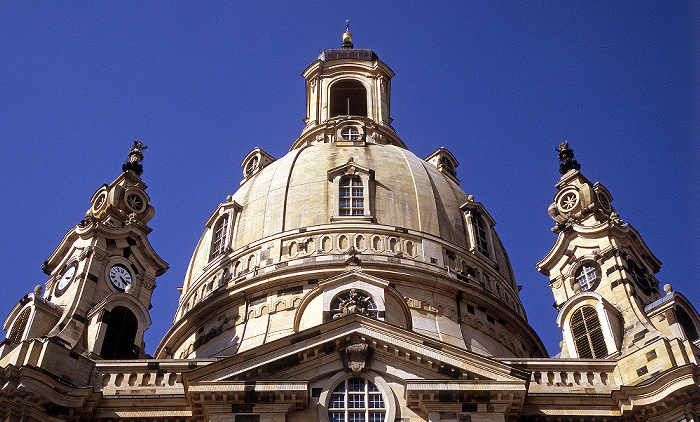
column 350, row 133
column 482, row 244
column 587, row 276
column 217, row 246
column 356, row 400
column 352, row 201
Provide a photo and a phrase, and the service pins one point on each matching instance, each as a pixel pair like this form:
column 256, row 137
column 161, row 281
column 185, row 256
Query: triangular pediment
column 310, row 353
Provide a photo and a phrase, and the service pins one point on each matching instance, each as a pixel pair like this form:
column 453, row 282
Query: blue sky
column 500, row 84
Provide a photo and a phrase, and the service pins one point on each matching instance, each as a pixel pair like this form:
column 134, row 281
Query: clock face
column 66, row 278
column 120, row 277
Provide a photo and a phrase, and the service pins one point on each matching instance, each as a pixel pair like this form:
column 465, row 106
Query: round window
column 252, row 166
column 568, row 201
column 604, row 201
column 356, row 400
column 135, row 202
column 100, row 201
column 587, row 275
column 350, row 133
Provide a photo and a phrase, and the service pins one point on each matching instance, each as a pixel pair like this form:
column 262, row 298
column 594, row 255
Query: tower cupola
column 347, row 98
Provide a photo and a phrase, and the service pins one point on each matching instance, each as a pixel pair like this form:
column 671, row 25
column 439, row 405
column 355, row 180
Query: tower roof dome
column 349, row 206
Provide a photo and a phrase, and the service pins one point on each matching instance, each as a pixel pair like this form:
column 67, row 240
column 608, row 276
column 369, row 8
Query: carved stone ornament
column 133, row 220
column 86, row 221
column 566, row 156
column 135, row 157
column 356, row 303
column 356, row 355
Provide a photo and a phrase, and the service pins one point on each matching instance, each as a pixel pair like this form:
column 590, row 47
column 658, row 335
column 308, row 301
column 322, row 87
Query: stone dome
column 349, row 210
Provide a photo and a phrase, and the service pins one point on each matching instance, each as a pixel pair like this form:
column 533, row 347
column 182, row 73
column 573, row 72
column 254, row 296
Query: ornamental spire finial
column 347, row 38
column 566, row 156
column 134, row 159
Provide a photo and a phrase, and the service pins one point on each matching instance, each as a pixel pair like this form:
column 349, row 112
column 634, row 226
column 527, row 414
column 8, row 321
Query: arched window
column 482, row 243
column 587, row 276
column 639, row 275
column 356, row 400
column 687, row 324
column 351, row 198
column 18, row 327
column 348, row 98
column 587, row 333
column 219, row 240
column 120, row 334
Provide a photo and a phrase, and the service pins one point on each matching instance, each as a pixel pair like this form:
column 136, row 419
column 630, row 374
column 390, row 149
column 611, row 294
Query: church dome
column 349, row 209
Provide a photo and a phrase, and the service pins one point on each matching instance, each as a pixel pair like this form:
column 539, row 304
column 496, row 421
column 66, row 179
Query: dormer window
column 478, row 225
column 352, row 200
column 445, row 162
column 219, row 239
column 251, row 166
column 254, row 162
column 348, row 98
column 351, row 192
column 481, row 237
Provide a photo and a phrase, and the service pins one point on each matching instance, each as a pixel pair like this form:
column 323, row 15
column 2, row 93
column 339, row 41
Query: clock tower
column 602, row 275
column 101, row 276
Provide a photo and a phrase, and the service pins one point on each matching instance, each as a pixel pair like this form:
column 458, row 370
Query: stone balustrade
column 142, row 377
column 562, row 375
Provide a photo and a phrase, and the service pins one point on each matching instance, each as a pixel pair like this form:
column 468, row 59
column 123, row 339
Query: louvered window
column 587, row 333
column 19, row 326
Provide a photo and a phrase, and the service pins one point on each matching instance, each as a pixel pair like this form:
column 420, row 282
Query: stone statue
column 354, row 304
column 135, row 157
column 566, row 156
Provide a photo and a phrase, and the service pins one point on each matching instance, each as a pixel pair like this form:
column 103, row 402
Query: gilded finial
column 347, row 38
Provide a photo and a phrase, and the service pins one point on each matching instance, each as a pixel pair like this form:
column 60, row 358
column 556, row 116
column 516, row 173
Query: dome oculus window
column 356, row 400
column 351, row 201
column 251, row 166
column 350, row 133
column 587, row 276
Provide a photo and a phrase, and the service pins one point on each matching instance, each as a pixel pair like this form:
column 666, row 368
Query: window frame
column 351, row 171
column 581, row 271
column 477, row 219
column 339, row 378
column 219, row 236
column 609, row 317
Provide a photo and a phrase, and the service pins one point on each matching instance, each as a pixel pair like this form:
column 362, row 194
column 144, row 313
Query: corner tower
column 602, row 275
column 101, row 277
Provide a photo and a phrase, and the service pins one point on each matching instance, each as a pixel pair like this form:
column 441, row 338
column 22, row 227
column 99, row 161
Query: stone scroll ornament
column 356, row 355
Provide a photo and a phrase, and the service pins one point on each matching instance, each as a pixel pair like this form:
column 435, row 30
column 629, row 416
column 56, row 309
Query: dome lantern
column 348, row 85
